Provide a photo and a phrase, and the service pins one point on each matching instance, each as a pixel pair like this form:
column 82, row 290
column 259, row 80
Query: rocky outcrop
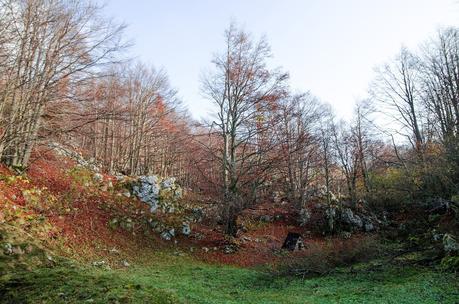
column 90, row 164
column 450, row 244
column 146, row 189
column 153, row 191
column 304, row 216
column 338, row 217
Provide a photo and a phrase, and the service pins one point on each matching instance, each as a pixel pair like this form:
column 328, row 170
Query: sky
column 329, row 47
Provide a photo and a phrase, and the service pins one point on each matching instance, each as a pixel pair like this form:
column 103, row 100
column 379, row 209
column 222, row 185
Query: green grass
column 172, row 279
column 69, row 284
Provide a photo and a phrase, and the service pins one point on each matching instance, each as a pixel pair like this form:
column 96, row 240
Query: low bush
column 322, row 258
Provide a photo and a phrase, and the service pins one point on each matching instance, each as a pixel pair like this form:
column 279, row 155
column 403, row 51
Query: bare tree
column 300, row 144
column 54, row 47
column 243, row 89
column 396, row 89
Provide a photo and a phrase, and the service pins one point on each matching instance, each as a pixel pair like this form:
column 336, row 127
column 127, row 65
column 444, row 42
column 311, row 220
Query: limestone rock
column 186, row 229
column 450, row 243
column 350, row 218
column 97, row 177
column 168, row 234
column 8, row 249
column 305, row 216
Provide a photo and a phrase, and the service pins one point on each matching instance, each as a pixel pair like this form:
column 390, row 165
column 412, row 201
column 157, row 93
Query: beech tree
column 440, row 83
column 243, row 90
column 51, row 47
column 396, row 89
column 300, row 144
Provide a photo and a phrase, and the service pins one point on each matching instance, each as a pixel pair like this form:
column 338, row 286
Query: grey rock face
column 151, row 190
column 305, row 216
column 350, row 218
column 369, row 227
column 7, row 249
column 147, row 190
column 229, row 249
column 168, row 234
column 81, row 161
column 98, row 177
column 450, row 243
column 168, row 183
column 186, row 229
column 266, row 218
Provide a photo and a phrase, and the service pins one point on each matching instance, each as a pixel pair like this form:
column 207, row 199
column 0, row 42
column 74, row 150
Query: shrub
column 322, row 258
column 450, row 264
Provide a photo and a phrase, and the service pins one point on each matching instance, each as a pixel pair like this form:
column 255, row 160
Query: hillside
column 60, row 246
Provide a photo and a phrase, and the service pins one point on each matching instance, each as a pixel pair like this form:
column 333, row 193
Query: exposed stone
column 186, row 229
column 125, row 263
column 151, row 190
column 346, row 235
column 90, row 164
column 350, row 218
column 197, row 214
column 168, row 183
column 305, row 216
column 7, row 249
column 114, row 251
column 450, row 243
column 168, row 234
column 266, row 218
column 99, row 263
column 229, row 249
column 98, row 177
column 369, row 227
column 277, row 197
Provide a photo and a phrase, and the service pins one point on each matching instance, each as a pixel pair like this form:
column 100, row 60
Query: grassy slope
column 183, row 280
column 166, row 278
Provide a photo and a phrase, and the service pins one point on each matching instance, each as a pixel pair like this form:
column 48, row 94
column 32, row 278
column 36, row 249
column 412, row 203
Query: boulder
column 304, row 216
column 197, row 214
column 168, row 234
column 8, row 249
column 229, row 249
column 186, row 229
column 369, row 227
column 266, row 218
column 154, row 192
column 90, row 164
column 168, row 183
column 450, row 243
column 99, row 263
column 97, row 177
column 348, row 217
column 146, row 188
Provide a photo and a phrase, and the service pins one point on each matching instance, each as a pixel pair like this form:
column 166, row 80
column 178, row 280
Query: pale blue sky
column 330, row 47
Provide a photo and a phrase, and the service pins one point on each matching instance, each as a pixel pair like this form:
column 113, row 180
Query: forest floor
column 57, row 247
